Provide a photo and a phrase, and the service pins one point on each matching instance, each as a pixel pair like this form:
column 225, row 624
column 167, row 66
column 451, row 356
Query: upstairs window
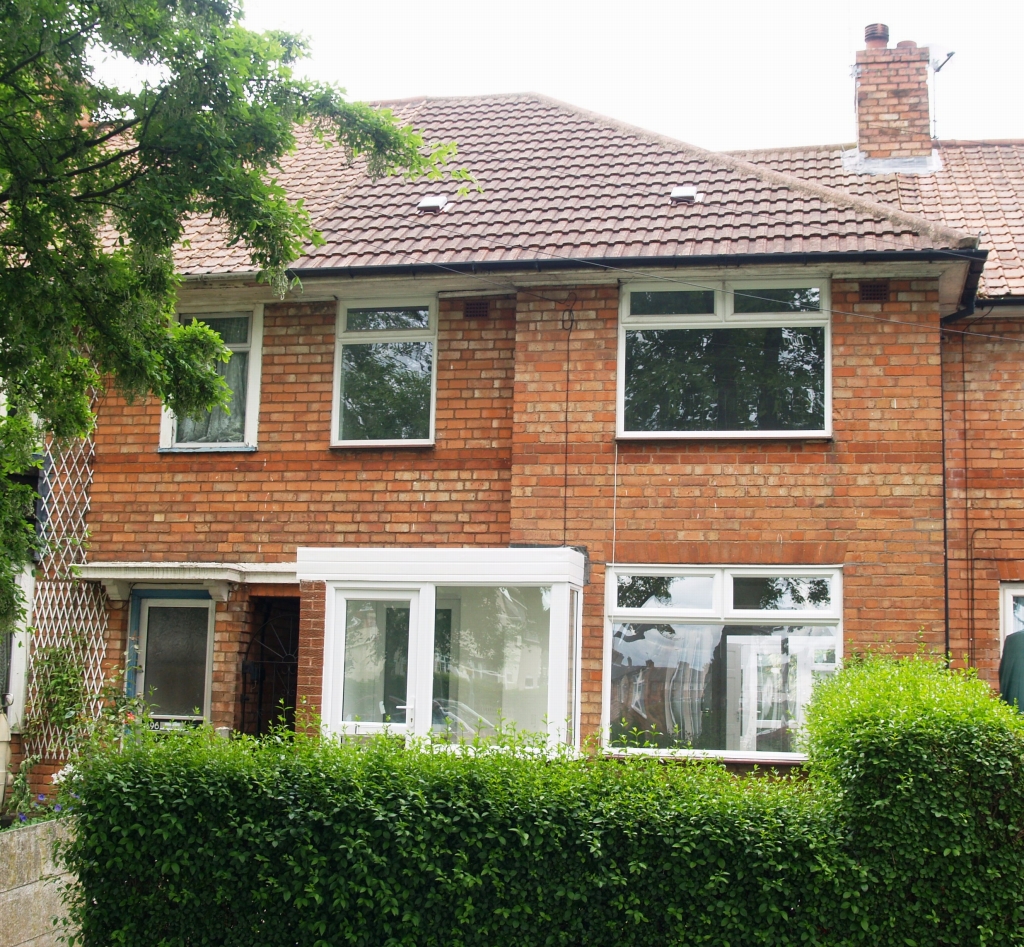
column 385, row 375
column 233, row 427
column 731, row 360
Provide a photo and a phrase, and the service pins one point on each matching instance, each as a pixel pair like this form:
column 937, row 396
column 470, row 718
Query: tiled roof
column 560, row 182
column 980, row 190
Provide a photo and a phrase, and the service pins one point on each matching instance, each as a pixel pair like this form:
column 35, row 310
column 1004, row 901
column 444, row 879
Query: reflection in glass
column 1018, row 614
column 402, row 317
column 715, row 687
column 491, row 649
column 780, row 592
column 672, row 303
column 221, row 426
column 654, row 591
column 174, row 668
column 385, row 391
column 742, row 379
column 376, row 661
column 777, row 300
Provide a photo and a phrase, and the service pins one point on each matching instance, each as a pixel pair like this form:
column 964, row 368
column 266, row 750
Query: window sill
column 723, row 436
column 379, row 445
column 724, row 756
column 211, row 449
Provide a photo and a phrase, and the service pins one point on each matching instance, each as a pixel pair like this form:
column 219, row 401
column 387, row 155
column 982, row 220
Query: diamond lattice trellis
column 67, row 613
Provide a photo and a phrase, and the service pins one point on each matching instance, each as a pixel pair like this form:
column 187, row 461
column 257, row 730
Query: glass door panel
column 376, row 678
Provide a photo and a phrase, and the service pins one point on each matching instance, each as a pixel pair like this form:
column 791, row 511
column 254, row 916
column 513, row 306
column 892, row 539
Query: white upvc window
column 452, row 642
column 717, row 660
column 385, row 373
column 175, row 656
column 1011, row 609
column 235, row 428
column 739, row 359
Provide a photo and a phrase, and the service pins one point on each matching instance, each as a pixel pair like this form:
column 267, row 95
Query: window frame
column 721, row 613
column 148, row 601
column 1008, row 591
column 249, row 442
column 342, row 337
column 724, row 317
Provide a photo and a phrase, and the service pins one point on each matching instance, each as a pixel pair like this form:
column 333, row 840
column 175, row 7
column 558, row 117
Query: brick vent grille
column 875, row 292
column 476, row 308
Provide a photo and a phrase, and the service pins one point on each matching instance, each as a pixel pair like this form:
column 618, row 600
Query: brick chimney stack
column 893, row 120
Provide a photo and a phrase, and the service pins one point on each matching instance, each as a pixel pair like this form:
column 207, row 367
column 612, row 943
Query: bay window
column 455, row 642
column 718, row 660
column 728, row 360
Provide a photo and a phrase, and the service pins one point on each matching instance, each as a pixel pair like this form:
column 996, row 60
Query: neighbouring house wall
column 984, row 371
column 296, row 490
column 30, row 886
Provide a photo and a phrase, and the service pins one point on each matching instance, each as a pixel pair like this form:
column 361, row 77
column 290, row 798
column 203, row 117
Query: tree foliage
column 97, row 182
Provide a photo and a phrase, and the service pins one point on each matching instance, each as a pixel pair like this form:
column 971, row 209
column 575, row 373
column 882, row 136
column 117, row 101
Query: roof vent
column 432, row 204
column 686, row 194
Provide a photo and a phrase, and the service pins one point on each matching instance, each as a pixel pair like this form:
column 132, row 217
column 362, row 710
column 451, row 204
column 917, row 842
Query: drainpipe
column 5, row 757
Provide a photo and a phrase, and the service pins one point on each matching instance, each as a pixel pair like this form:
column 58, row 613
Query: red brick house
column 634, row 444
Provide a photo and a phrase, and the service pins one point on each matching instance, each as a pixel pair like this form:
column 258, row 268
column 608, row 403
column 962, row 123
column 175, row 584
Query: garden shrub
column 916, row 782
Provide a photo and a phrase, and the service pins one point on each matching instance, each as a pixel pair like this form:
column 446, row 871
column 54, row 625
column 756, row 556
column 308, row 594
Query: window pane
column 780, row 592
column 405, row 317
column 654, row 592
column 219, row 426
column 376, row 661
column 1018, row 614
column 757, row 379
column 385, row 391
column 175, row 661
column 674, row 303
column 491, row 660
column 233, row 328
column 715, row 687
column 777, row 300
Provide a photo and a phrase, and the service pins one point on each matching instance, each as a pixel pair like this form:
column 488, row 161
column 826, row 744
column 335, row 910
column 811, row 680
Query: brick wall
column 870, row 498
column 985, row 479
column 893, row 119
column 295, row 489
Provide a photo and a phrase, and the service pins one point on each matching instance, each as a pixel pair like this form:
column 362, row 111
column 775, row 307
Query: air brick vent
column 874, row 292
column 477, row 308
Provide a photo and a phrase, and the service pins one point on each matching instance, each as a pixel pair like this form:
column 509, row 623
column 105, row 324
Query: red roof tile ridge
column 789, row 149
column 995, row 142
column 921, row 225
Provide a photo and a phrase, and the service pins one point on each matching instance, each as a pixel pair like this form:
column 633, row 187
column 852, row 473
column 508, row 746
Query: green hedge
column 909, row 831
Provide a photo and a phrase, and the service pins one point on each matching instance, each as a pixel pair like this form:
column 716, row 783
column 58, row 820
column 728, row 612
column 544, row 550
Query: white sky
column 720, row 73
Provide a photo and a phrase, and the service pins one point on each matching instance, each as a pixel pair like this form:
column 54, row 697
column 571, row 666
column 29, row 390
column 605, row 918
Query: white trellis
column 67, row 612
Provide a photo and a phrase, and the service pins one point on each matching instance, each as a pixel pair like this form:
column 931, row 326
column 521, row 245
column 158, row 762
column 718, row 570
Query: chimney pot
column 876, row 36
column 906, row 44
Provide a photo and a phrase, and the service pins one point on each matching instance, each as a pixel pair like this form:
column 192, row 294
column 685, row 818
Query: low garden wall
column 30, row 885
column 907, row 832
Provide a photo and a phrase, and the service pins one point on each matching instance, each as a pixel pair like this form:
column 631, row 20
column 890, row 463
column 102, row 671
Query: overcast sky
column 720, row 74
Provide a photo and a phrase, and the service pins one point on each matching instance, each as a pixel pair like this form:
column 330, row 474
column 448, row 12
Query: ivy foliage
column 187, row 839
column 97, row 182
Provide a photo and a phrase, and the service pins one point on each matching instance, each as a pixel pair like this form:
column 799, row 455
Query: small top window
column 672, row 303
column 777, row 300
column 372, row 320
column 385, row 373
